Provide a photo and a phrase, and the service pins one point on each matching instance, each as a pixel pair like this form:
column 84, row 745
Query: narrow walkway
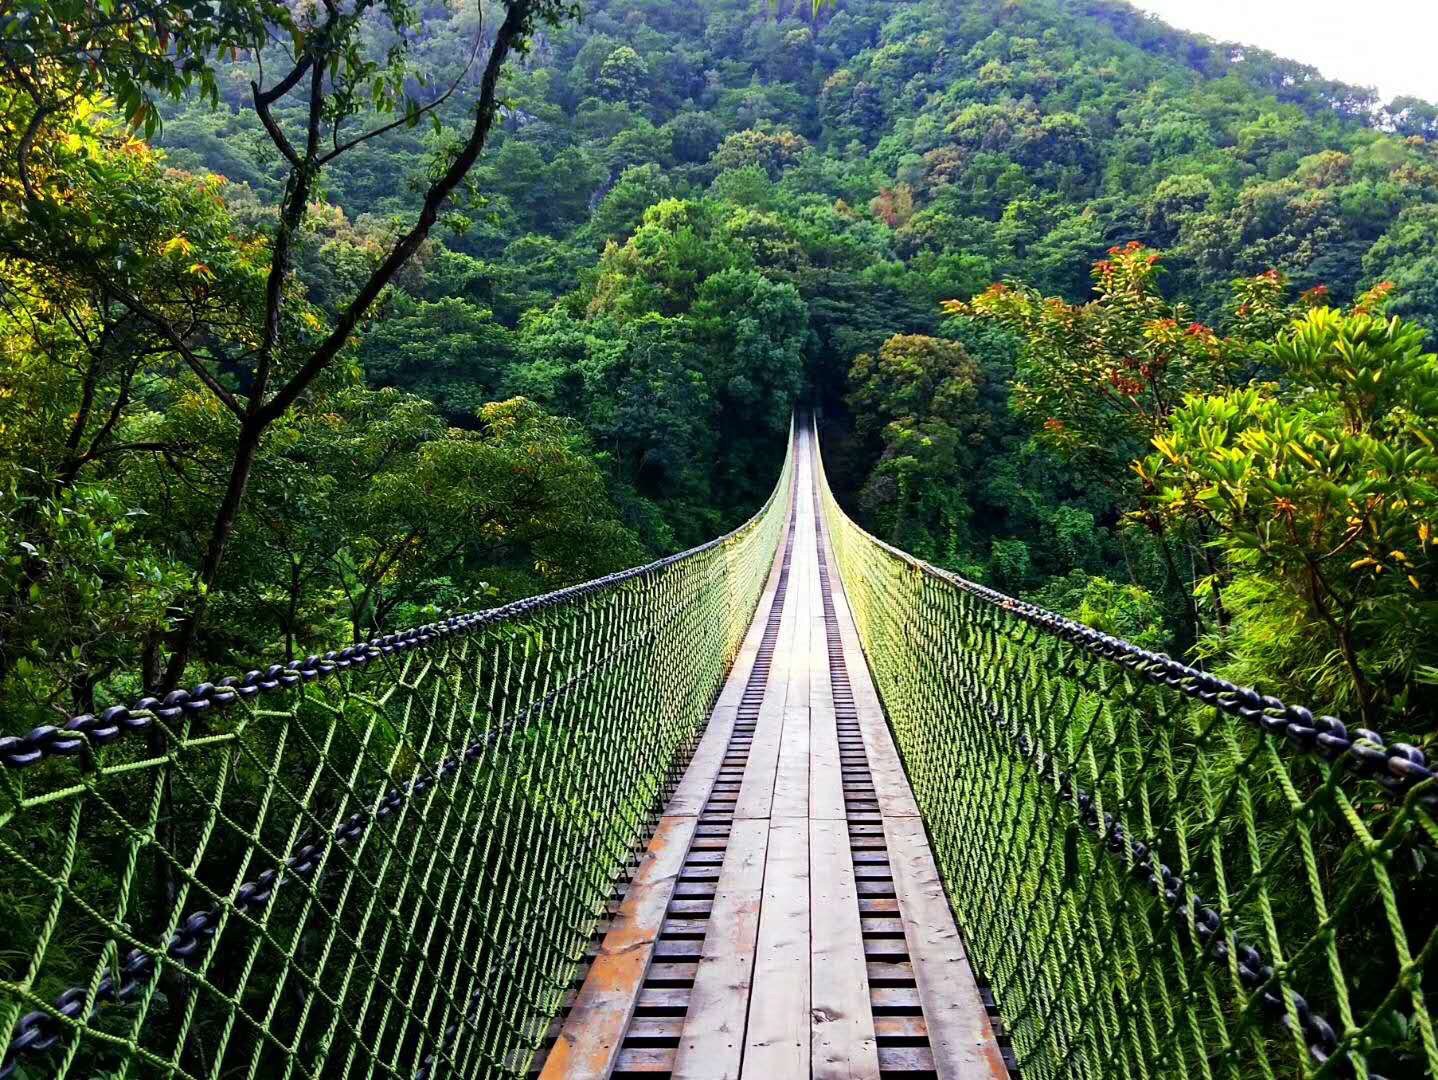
column 787, row 919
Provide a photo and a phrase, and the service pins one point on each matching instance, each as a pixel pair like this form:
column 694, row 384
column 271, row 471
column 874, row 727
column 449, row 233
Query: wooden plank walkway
column 787, row 919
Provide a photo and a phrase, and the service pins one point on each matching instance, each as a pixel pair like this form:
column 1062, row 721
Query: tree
column 1103, row 377
column 1413, row 116
column 773, row 151
column 694, row 136
column 1407, row 256
column 752, row 331
column 326, row 62
column 663, row 263
column 624, row 77
column 519, row 502
column 448, row 351
column 1320, row 493
column 85, row 365
column 622, row 209
column 918, row 398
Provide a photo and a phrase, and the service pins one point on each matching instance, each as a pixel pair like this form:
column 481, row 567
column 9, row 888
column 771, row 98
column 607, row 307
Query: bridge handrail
column 1085, row 795
column 218, row 896
column 86, row 732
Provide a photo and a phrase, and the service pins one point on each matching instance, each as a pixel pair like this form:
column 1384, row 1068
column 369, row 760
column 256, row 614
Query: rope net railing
column 1161, row 874
column 384, row 861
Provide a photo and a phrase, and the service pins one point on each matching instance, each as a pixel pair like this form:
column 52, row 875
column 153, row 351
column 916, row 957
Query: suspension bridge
column 790, row 804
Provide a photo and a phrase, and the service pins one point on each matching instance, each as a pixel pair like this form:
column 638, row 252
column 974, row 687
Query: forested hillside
column 686, row 218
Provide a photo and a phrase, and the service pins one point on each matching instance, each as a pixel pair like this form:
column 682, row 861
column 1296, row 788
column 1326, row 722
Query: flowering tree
column 1102, row 378
column 1322, row 493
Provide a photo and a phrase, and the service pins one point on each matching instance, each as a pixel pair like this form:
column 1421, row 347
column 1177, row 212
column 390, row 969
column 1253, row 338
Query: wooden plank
column 843, row 1040
column 891, row 783
column 826, row 777
column 960, row 1035
column 791, row 788
column 756, row 791
column 712, row 1044
column 698, row 781
column 791, row 781
column 646, row 1059
column 589, row 1044
column 791, row 784
column 776, row 1040
column 743, row 666
column 906, row 1059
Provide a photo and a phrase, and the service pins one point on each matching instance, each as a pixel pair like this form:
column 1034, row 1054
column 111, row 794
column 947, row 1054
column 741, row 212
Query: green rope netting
column 1153, row 884
column 394, row 871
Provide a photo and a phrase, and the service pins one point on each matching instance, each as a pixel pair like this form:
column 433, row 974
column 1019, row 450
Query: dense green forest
column 473, row 307
column 322, row 319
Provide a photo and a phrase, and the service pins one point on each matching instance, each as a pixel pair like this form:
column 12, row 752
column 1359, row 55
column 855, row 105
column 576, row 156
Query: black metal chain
column 87, row 731
column 40, row 1030
column 1216, row 942
column 1397, row 766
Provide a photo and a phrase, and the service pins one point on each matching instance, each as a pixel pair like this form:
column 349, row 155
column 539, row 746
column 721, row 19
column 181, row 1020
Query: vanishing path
column 787, row 919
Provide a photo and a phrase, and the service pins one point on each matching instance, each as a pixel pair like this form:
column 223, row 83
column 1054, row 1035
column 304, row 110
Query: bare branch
column 125, row 448
column 341, row 148
column 277, row 135
column 187, row 354
column 292, row 212
column 509, row 32
column 27, row 143
column 268, row 97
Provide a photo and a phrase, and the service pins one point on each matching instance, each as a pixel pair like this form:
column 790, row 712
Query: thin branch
column 341, row 148
column 168, row 332
column 285, row 85
column 125, row 448
column 122, row 398
column 297, row 194
column 27, row 143
column 509, row 32
column 277, row 136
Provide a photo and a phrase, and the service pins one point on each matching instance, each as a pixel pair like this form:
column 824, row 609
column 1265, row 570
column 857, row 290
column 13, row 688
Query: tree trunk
column 221, row 530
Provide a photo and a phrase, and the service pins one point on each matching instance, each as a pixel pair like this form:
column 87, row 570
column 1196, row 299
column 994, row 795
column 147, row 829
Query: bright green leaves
column 917, row 400
column 1327, row 484
column 92, row 583
column 130, row 53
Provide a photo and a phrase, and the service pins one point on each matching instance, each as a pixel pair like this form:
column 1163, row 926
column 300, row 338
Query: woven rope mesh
column 393, row 871
column 1056, row 781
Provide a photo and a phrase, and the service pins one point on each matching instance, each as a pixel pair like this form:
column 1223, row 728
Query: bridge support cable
column 383, row 861
column 1162, row 874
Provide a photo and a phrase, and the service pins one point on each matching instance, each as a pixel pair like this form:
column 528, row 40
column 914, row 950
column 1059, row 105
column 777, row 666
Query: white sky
column 1390, row 44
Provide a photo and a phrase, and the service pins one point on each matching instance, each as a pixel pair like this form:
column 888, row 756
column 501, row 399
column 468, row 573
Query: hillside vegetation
column 322, row 320
column 686, row 218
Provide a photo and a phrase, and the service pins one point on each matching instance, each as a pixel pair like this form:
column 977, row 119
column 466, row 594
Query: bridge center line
column 634, row 989
column 802, row 934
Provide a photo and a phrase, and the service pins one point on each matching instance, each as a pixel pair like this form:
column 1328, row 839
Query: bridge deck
column 787, row 918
